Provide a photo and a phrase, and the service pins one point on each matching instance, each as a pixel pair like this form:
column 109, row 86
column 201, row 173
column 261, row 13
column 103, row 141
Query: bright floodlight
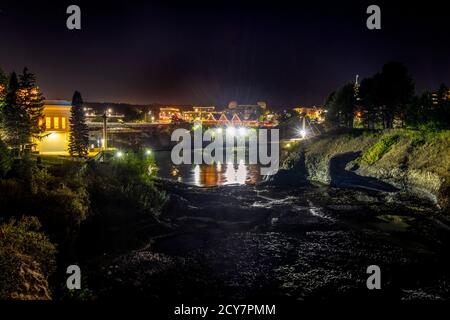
column 119, row 154
column 219, row 130
column 303, row 133
column 148, row 152
column 231, row 131
column 242, row 131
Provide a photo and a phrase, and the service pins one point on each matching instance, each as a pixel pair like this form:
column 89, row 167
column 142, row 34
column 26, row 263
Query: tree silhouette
column 15, row 119
column 79, row 132
column 30, row 97
column 396, row 91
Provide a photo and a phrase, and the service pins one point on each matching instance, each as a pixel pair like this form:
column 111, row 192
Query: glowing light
column 231, row 131
column 303, row 133
column 197, row 175
column 52, row 136
column 219, row 130
column 241, row 174
column 242, row 131
column 148, row 152
column 288, row 145
column 119, row 154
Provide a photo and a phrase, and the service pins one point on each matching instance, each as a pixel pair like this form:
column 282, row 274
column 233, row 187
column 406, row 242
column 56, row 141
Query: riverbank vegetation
column 57, row 213
column 416, row 162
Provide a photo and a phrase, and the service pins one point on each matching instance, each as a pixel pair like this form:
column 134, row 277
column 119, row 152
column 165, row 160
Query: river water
column 242, row 241
column 204, row 175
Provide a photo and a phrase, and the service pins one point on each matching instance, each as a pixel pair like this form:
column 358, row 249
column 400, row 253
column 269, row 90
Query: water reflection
column 208, row 175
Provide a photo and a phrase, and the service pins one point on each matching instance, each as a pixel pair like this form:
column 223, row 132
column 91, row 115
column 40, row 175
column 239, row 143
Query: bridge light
column 231, row 131
column 242, row 131
column 302, row 133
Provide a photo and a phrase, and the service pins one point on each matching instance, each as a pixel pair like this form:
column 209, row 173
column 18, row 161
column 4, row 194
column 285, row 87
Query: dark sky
column 284, row 53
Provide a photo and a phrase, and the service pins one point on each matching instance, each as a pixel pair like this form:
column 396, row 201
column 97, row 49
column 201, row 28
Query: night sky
column 213, row 52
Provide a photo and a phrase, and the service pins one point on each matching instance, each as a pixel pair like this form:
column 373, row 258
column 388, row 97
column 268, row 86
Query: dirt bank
column 412, row 162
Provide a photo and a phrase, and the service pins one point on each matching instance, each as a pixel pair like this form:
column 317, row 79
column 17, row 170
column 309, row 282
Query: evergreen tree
column 420, row 111
column 341, row 106
column 79, row 133
column 3, row 87
column 15, row 119
column 30, row 97
column 370, row 102
column 396, row 92
column 332, row 114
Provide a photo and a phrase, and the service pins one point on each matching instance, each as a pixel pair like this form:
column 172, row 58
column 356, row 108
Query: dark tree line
column 21, row 110
column 387, row 100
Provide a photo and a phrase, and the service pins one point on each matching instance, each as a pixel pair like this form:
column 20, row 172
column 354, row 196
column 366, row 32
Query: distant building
column 314, row 113
column 205, row 114
column 166, row 114
column 246, row 112
column 56, row 119
column 435, row 96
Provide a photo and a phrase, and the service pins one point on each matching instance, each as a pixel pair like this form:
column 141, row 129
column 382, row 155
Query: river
column 204, row 175
column 246, row 242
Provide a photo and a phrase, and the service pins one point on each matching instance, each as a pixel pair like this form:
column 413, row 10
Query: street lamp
column 303, row 133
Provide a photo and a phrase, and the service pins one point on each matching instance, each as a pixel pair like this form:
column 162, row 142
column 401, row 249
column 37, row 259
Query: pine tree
column 30, row 97
column 79, row 133
column 3, row 87
column 15, row 119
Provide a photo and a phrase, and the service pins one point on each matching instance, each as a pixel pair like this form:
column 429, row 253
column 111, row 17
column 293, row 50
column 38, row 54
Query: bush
column 5, row 159
column 27, row 259
column 123, row 198
column 60, row 202
column 377, row 151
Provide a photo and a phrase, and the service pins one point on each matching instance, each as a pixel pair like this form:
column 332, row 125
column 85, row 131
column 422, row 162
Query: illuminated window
column 56, row 122
column 63, row 122
column 48, row 122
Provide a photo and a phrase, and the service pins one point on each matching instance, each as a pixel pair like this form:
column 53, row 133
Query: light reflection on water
column 205, row 175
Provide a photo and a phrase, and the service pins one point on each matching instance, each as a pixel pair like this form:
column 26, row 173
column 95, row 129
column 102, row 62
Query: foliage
column 340, row 106
column 5, row 159
column 79, row 132
column 31, row 99
column 57, row 197
column 377, row 151
column 122, row 192
column 381, row 100
column 16, row 124
column 24, row 249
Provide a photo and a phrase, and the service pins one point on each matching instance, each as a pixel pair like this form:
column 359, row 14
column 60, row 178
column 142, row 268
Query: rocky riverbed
column 285, row 244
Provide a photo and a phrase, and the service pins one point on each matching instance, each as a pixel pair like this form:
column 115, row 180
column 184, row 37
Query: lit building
column 56, row 136
column 204, row 114
column 435, row 96
column 246, row 112
column 313, row 113
column 166, row 114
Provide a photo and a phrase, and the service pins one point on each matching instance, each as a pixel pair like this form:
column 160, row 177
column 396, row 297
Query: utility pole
column 105, row 136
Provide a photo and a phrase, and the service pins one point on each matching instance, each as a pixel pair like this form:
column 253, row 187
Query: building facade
column 56, row 136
